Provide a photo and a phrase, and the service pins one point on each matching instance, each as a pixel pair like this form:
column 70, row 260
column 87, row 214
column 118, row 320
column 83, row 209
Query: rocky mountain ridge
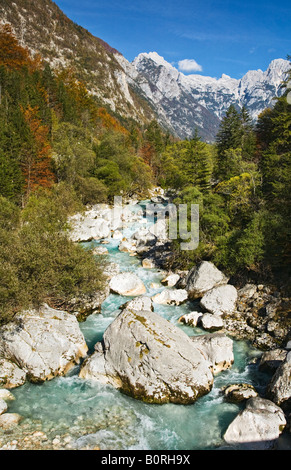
column 191, row 101
column 149, row 87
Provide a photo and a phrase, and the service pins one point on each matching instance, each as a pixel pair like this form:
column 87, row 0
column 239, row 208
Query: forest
column 60, row 151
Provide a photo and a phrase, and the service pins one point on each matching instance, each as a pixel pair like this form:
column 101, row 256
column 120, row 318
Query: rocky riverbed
column 161, row 338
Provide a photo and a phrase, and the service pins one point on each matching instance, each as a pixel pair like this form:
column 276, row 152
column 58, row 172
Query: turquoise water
column 84, row 414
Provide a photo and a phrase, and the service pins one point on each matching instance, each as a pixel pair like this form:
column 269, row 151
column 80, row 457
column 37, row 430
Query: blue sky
column 211, row 37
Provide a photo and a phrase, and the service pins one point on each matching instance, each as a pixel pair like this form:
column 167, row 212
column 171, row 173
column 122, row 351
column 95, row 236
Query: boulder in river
column 237, row 393
column 279, row 388
column 211, row 322
column 256, row 427
column 150, row 359
column 220, row 300
column 127, row 284
column 202, row 278
column 44, row 343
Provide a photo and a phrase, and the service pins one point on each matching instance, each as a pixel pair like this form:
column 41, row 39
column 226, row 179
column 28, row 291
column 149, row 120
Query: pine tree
column 197, row 163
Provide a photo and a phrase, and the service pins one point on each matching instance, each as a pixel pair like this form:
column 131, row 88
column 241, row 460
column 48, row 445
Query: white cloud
column 189, row 65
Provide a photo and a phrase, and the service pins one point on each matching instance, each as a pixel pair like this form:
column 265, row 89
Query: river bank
column 104, row 418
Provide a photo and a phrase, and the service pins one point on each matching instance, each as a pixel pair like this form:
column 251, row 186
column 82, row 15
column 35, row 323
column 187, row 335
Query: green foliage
column 245, row 213
column 38, row 262
column 187, row 162
column 235, row 143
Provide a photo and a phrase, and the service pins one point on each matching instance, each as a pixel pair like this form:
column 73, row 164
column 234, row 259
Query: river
column 72, row 413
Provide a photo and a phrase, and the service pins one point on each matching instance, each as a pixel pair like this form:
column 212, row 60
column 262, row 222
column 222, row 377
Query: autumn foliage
column 110, row 123
column 37, row 161
column 12, row 54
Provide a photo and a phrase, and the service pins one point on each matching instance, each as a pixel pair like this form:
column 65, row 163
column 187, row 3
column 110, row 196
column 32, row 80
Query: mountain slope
column 198, row 101
column 149, row 87
column 42, row 27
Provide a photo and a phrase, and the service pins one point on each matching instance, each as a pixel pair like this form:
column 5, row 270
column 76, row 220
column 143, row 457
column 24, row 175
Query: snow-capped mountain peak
column 154, row 56
column 189, row 101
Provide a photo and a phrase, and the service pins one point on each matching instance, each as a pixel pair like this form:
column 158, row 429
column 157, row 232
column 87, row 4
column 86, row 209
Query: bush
column 38, row 262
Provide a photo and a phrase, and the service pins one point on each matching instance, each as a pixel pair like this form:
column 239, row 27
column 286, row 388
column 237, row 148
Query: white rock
column 3, row 406
column 150, row 359
column 192, row 318
column 279, row 388
column 44, row 343
column 160, row 229
column 117, row 235
column 220, row 300
column 128, row 284
column 9, row 420
column 218, row 349
column 127, row 246
column 202, row 278
column 171, row 280
column 6, row 395
column 257, row 426
column 211, row 322
column 144, row 240
column 88, row 226
column 141, row 303
column 11, row 376
column 100, row 250
column 171, row 297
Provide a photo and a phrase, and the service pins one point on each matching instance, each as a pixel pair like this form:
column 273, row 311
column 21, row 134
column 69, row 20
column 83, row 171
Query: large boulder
column 150, row 359
column 220, row 300
column 43, row 343
column 279, row 388
column 218, row 348
column 128, row 284
column 256, row 427
column 202, row 278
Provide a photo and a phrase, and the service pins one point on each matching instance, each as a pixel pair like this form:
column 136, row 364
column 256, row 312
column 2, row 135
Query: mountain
column 43, row 28
column 149, row 87
column 189, row 101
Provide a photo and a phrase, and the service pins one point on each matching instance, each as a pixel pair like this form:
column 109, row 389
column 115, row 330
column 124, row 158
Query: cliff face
column 42, row 27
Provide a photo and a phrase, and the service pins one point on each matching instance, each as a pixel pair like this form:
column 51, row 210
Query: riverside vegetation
column 61, row 154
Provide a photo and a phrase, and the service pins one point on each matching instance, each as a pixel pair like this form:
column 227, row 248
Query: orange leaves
column 12, row 55
column 36, row 165
column 110, row 123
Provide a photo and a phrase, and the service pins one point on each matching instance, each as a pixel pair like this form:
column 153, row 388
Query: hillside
column 42, row 27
